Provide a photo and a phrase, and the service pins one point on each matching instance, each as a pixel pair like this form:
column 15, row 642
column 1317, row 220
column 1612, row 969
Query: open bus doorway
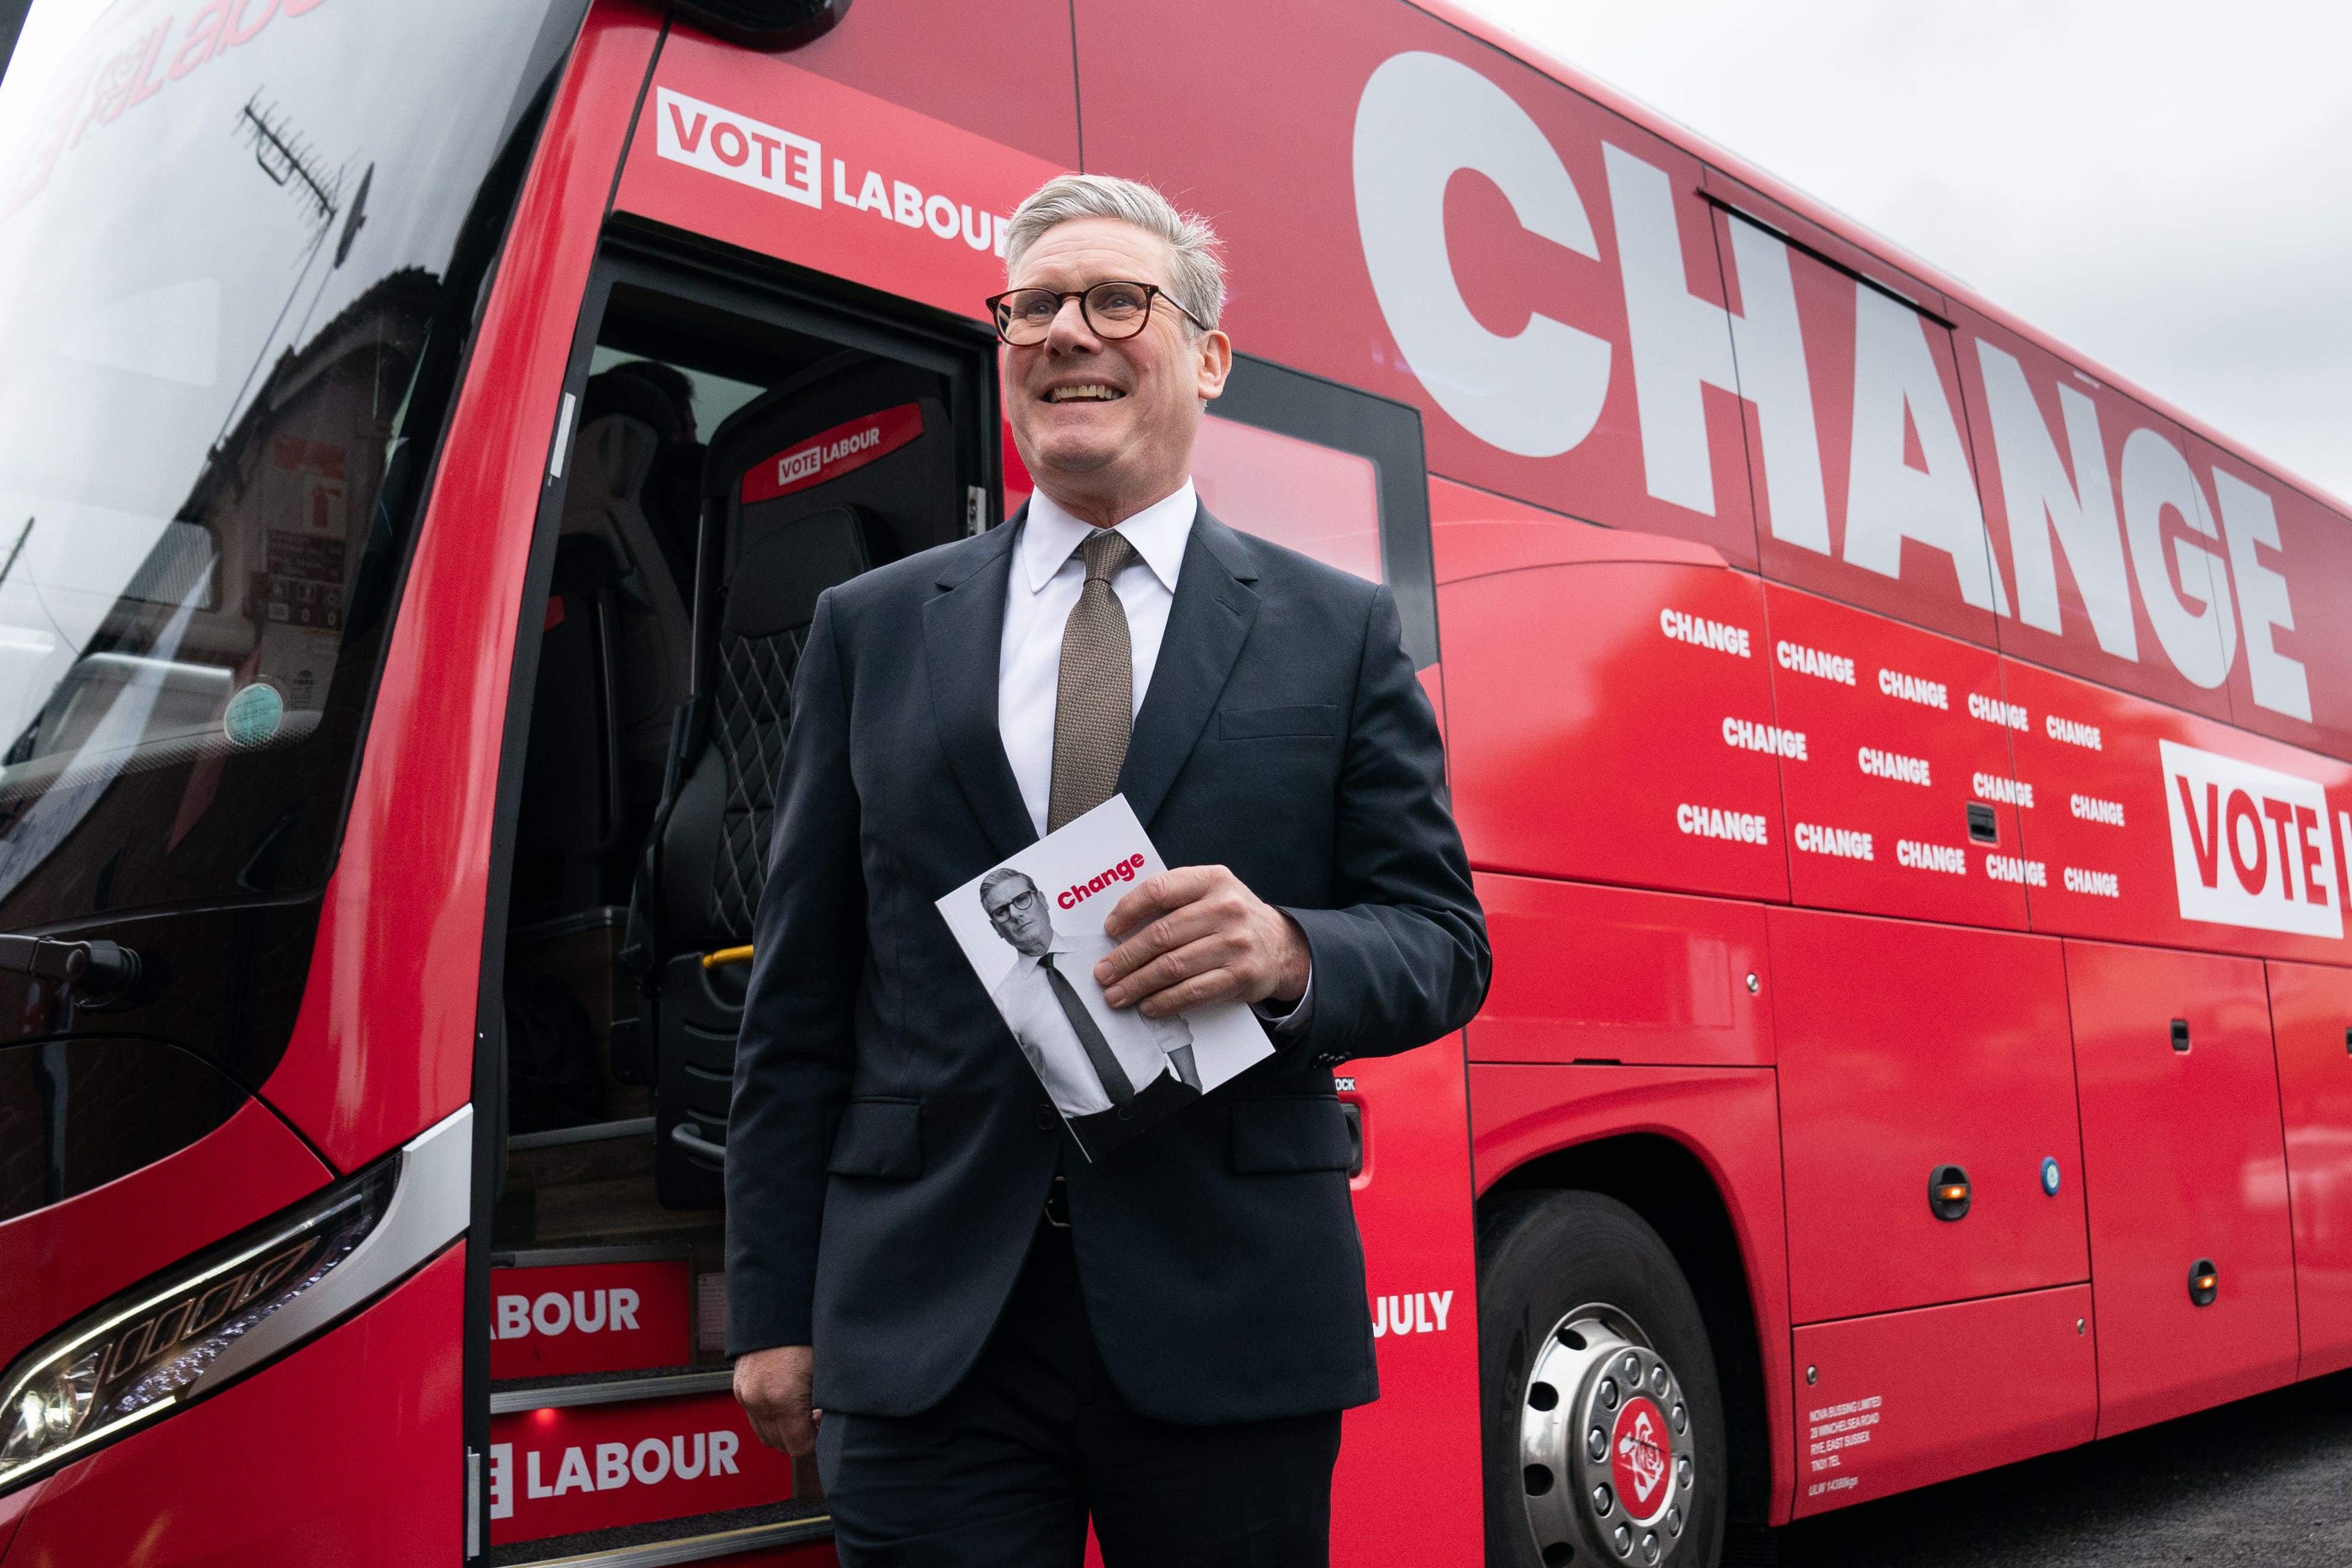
column 733, row 452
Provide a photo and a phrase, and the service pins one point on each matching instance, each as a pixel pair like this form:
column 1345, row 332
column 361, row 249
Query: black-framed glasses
column 1113, row 310
column 1020, row 903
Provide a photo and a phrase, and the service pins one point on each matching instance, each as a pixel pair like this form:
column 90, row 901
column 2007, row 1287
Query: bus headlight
column 216, row 1316
column 151, row 1347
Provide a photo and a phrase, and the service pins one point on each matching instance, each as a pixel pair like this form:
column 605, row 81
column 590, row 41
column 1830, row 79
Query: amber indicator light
column 1948, row 1192
column 2204, row 1282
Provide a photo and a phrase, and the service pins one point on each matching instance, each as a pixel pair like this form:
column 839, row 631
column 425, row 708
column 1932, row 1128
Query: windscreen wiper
column 101, row 970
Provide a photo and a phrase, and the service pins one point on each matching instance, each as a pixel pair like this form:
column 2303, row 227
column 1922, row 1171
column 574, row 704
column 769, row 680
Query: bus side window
column 1330, row 471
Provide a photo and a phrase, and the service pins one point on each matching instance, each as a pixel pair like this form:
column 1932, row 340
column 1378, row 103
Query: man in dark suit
column 1003, row 1338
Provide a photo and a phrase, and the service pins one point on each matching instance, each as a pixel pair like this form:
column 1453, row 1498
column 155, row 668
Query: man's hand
column 1195, row 935
column 772, row 1387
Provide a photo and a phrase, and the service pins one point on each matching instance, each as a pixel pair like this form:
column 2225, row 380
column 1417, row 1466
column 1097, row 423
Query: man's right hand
column 772, row 1387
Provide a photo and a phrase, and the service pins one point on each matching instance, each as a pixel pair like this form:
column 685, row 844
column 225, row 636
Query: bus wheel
column 1603, row 1423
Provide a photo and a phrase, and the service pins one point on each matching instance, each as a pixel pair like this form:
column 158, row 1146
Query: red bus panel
column 1897, row 748
column 751, row 151
column 1564, row 760
column 2310, row 1020
column 1412, row 1202
column 1910, row 1398
column 1905, row 1047
column 1605, row 974
column 2183, row 1162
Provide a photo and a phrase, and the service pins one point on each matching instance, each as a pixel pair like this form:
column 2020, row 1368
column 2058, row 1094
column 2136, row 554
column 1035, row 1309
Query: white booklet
column 1032, row 930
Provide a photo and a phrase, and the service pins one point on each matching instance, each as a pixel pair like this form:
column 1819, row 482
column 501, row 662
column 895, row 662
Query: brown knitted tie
column 1094, row 706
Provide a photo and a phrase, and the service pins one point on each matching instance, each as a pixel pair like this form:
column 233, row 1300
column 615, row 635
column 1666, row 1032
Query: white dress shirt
column 1039, row 594
column 1143, row 1045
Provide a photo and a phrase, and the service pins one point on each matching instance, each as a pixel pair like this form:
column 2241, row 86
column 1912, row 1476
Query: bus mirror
column 773, row 26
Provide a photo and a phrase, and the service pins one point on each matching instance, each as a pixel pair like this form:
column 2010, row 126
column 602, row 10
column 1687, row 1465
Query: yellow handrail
column 726, row 956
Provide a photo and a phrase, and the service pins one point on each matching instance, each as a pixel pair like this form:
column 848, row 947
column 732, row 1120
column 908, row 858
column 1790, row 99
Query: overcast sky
column 2161, row 185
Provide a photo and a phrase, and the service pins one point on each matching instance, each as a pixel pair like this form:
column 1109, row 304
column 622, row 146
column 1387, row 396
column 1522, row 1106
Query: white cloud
column 2159, row 184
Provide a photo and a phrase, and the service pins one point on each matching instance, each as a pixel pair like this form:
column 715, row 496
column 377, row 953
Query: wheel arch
column 1679, row 1196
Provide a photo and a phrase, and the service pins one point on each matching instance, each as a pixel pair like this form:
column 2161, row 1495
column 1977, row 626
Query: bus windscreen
column 238, row 257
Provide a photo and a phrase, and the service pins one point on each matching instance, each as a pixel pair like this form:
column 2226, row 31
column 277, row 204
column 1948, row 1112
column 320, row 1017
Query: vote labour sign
column 588, row 1317
column 591, row 1467
column 2251, row 845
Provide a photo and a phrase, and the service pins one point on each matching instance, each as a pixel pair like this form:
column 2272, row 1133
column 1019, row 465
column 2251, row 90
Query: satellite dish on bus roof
column 770, row 25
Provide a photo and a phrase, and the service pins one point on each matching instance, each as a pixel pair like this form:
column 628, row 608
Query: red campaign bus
column 1909, row 770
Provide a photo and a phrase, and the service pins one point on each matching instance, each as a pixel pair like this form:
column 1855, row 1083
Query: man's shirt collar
column 1158, row 532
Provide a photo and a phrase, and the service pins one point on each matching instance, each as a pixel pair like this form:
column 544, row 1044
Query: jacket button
column 1044, row 1118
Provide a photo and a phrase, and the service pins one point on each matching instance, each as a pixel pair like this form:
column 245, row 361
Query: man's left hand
column 1195, row 935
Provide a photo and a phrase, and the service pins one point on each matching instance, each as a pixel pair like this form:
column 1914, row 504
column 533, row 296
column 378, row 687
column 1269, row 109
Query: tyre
column 1602, row 1419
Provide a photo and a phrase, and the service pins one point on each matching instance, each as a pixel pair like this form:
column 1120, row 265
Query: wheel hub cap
column 1605, row 1445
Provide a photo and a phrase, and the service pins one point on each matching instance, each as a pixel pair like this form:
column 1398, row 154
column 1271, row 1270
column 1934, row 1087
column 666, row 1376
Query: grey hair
column 999, row 877
column 1198, row 281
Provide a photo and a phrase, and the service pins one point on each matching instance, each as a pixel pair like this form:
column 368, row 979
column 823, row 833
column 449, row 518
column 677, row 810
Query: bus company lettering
column 1709, row 822
column 1931, row 857
column 1814, row 662
column 1839, row 1427
column 684, row 1457
column 1892, row 764
column 1998, row 786
column 584, row 1311
column 2025, row 873
column 769, row 158
column 830, row 454
column 2086, row 736
column 1701, row 632
column 1912, row 689
column 1844, row 843
column 2250, row 844
column 2091, row 809
column 1424, row 1312
column 1078, row 893
column 2097, row 883
column 1994, row 711
column 1769, row 739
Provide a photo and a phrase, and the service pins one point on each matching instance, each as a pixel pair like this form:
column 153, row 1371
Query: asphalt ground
column 2267, row 1481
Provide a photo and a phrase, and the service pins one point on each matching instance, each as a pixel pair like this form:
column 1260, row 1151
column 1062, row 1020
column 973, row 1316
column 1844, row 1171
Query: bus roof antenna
column 286, row 158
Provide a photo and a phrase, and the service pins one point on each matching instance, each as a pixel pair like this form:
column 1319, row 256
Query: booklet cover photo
column 1033, row 931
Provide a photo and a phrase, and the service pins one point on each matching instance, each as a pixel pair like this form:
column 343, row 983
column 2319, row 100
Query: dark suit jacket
column 889, row 1148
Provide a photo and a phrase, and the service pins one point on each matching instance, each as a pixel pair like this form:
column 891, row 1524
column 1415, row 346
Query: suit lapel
column 1207, row 625
column 963, row 629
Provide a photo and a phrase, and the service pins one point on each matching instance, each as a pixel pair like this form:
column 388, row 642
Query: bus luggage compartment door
column 1905, row 1048
column 2183, row 1161
column 2311, row 1016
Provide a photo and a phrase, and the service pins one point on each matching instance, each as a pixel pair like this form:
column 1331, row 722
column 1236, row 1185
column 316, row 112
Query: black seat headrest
column 776, row 583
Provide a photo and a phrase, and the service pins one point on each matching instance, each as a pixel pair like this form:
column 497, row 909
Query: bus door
column 729, row 450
